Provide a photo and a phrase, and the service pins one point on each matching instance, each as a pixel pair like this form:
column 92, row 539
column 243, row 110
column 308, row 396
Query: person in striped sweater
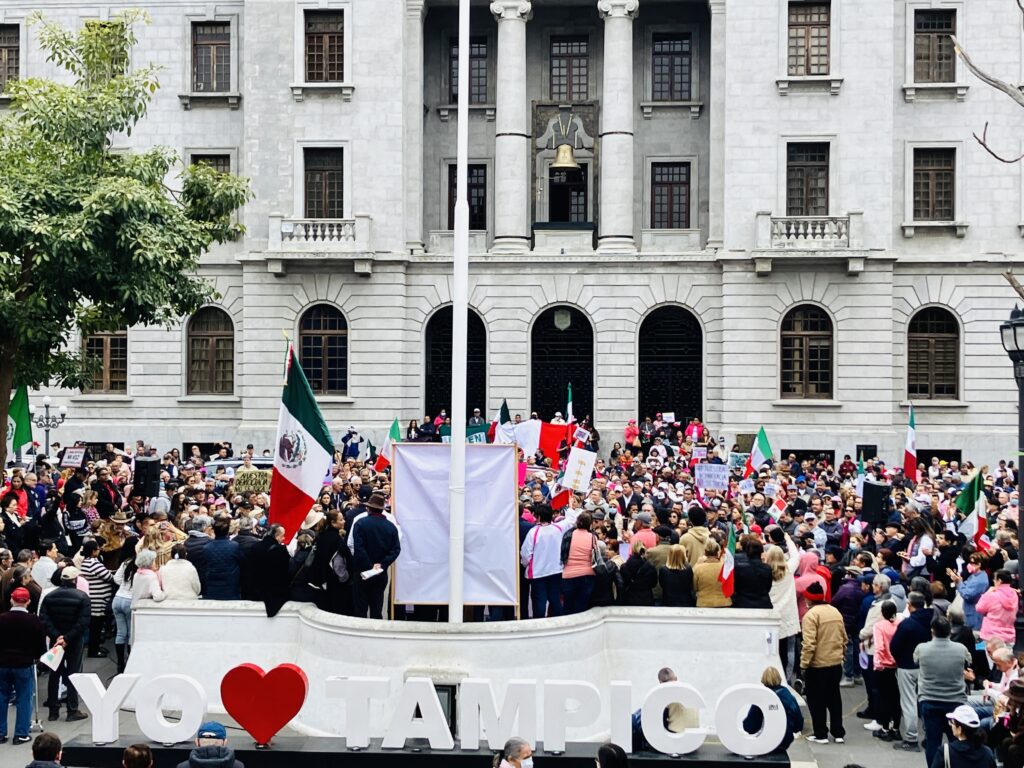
column 101, row 591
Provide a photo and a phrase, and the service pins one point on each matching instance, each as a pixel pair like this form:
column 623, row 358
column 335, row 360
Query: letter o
column 186, row 693
column 733, row 705
column 651, row 718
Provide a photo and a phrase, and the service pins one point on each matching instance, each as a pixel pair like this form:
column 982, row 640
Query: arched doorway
column 671, row 364
column 561, row 353
column 438, row 380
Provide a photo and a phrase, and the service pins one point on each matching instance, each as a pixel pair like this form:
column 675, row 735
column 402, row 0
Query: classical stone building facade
column 780, row 215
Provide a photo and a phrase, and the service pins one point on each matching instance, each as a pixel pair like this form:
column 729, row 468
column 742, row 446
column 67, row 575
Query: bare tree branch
column 1012, row 91
column 983, row 140
column 1009, row 275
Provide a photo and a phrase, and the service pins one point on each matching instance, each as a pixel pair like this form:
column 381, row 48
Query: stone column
column 615, row 230
column 716, row 112
column 412, row 127
column 512, row 130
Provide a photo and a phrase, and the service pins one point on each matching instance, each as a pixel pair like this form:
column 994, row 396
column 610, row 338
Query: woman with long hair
column 706, row 583
column 676, row 579
column 783, row 597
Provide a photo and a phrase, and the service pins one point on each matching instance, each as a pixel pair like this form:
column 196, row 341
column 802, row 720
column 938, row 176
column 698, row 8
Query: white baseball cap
column 965, row 715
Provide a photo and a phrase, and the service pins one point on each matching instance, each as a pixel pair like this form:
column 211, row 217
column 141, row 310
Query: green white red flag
column 303, row 451
column 760, row 452
column 384, row 458
column 727, row 575
column 973, row 504
column 910, row 450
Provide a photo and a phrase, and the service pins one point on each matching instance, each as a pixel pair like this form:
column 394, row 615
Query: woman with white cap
column 967, row 747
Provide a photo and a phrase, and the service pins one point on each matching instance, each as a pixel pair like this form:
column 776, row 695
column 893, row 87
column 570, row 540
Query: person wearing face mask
column 971, row 589
column 517, row 753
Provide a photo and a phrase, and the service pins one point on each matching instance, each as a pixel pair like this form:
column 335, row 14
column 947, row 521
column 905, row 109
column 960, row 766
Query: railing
column 808, row 232
column 340, row 235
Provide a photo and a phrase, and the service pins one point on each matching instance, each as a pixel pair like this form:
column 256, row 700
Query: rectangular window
column 10, row 53
column 808, row 39
column 477, row 193
column 670, row 195
column 106, row 360
column 218, row 162
column 934, row 184
column 211, row 56
column 477, row 70
column 325, row 46
column 567, row 195
column 324, row 183
column 670, row 67
column 934, row 58
column 807, row 179
column 570, row 65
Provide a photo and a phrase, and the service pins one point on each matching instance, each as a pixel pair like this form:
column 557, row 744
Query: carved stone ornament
column 519, row 10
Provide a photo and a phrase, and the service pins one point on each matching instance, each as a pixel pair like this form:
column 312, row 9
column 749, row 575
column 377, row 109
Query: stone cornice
column 506, row 10
column 618, row 8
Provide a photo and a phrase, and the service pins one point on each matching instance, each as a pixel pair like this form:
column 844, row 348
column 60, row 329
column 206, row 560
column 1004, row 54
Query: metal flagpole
column 460, row 310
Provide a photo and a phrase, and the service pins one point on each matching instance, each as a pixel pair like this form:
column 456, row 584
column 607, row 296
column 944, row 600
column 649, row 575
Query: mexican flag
column 502, row 420
column 387, row 450
column 779, row 505
column 304, row 451
column 726, row 576
column 19, row 422
column 910, row 451
column 759, row 454
column 533, row 435
column 973, row 504
column 859, row 486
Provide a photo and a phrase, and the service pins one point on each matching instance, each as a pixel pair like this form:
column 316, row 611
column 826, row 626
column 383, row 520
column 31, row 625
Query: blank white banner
column 420, row 500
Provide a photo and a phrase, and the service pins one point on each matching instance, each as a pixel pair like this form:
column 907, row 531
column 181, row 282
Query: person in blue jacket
column 754, row 721
column 971, row 589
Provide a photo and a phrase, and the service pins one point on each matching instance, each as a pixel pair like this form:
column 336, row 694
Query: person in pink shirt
column 577, row 566
column 998, row 606
column 885, row 675
column 644, row 533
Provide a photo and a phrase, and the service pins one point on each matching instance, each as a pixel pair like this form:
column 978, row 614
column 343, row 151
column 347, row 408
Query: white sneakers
column 872, row 726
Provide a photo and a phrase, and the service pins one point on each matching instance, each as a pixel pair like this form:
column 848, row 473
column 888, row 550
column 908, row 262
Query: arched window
column 106, row 360
column 211, row 352
column 438, row 374
column 562, row 353
column 671, row 362
column 933, row 341
column 323, row 349
column 806, row 353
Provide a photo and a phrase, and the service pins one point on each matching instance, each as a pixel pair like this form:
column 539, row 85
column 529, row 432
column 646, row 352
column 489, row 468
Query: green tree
column 90, row 239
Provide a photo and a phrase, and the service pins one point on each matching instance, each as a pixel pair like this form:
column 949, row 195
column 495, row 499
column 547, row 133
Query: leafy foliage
column 92, row 239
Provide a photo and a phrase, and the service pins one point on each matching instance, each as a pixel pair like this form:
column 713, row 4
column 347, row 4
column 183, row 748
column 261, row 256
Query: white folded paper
column 53, row 657
column 371, row 573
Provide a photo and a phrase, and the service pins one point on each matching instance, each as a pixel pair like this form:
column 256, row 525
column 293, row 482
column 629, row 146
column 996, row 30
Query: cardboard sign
column 668, row 416
column 252, row 480
column 581, row 434
column 73, row 457
column 712, row 476
column 579, row 469
column 747, row 486
column 771, row 490
column 700, row 452
column 737, row 460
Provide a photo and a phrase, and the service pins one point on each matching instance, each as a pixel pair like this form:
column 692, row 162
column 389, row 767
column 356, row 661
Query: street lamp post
column 47, row 422
column 1012, row 334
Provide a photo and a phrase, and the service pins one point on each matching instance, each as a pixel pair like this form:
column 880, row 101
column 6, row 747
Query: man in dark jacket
column 199, row 536
column 65, row 615
column 211, row 749
column 247, row 541
column 752, row 578
column 375, row 545
column 22, row 641
column 223, row 564
column 848, row 600
column 46, row 751
column 912, row 631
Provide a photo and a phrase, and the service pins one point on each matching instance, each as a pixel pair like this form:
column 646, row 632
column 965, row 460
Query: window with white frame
column 323, row 48
column 933, row 187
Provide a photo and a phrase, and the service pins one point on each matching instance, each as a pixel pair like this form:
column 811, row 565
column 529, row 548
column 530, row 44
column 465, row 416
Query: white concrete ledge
column 205, row 639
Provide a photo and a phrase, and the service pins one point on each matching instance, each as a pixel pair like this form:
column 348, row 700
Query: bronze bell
column 565, row 158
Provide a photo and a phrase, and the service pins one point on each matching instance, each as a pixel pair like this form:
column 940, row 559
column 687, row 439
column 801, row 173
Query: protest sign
column 700, row 452
column 579, row 469
column 252, row 480
column 747, row 486
column 73, row 457
column 770, row 490
column 581, row 434
column 712, row 476
column 477, row 434
column 668, row 416
column 737, row 460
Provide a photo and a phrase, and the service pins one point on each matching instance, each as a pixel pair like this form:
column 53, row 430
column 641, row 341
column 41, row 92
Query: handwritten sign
column 252, row 480
column 747, row 486
column 579, row 469
column 712, row 476
column 700, row 452
column 770, row 490
column 73, row 457
column 668, row 416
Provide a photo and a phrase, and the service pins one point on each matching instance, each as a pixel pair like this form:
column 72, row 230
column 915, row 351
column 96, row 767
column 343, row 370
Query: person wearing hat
column 966, row 747
column 375, row 544
column 65, row 616
column 821, row 658
column 558, row 418
column 940, row 684
column 476, row 420
column 22, row 641
column 211, row 749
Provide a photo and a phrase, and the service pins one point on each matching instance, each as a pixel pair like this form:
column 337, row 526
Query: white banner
column 579, row 469
column 712, row 476
column 420, row 487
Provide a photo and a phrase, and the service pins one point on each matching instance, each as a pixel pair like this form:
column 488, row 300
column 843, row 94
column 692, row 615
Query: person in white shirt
column 46, row 565
column 541, row 555
column 179, row 577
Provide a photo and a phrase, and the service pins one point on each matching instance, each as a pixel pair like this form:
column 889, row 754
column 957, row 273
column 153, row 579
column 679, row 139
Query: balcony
column 308, row 239
column 809, row 233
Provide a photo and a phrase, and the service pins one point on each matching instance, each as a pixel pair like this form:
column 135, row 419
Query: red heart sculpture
column 263, row 702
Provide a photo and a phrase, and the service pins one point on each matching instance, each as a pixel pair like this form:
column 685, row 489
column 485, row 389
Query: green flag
column 477, row 434
column 19, row 420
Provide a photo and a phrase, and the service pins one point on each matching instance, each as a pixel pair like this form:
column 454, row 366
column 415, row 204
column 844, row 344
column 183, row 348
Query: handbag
column 945, row 754
column 339, row 567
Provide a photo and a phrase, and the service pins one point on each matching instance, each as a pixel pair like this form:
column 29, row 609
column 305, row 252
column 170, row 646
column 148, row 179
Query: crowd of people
column 887, row 600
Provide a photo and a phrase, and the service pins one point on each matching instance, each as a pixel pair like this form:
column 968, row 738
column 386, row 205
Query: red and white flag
column 910, row 451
